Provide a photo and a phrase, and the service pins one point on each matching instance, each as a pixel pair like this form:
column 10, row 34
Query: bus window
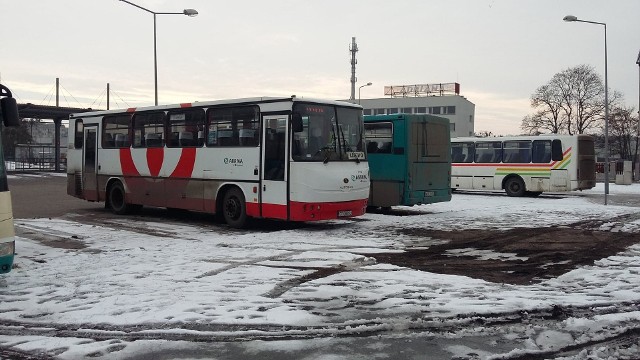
column 115, row 131
column 436, row 145
column 185, row 126
column 488, row 152
column 379, row 137
column 517, row 151
column 237, row 126
column 556, row 150
column 148, row 129
column 462, row 152
column 79, row 134
column 541, row 153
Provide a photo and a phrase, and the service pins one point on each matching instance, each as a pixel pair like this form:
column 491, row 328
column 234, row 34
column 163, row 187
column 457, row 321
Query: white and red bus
column 290, row 158
column 524, row 165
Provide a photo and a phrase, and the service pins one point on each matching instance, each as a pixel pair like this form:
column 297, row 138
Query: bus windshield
column 329, row 133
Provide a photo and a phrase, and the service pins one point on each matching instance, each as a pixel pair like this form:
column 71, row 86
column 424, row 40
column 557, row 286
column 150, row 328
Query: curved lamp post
column 571, row 18
column 367, row 84
column 188, row 12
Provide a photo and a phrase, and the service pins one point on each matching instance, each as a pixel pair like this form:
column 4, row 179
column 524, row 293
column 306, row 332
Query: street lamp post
column 359, row 88
column 638, row 133
column 571, row 18
column 188, row 12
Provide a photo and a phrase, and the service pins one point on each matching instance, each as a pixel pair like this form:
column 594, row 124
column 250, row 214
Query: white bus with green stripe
column 524, row 165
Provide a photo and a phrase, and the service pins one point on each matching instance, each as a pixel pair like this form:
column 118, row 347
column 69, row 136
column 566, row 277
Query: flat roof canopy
column 47, row 112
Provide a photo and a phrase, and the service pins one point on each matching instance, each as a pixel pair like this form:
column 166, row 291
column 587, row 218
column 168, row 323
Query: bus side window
column 556, row 150
column 79, row 134
column 115, row 131
column 541, row 153
column 148, row 129
column 462, row 152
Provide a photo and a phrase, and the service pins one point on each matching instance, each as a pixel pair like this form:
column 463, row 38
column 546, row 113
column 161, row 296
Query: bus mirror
column 9, row 108
column 296, row 122
column 556, row 150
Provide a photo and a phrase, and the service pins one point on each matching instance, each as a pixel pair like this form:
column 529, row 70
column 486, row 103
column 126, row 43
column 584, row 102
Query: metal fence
column 35, row 158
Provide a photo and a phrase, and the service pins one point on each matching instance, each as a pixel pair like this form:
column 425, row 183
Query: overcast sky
column 500, row 51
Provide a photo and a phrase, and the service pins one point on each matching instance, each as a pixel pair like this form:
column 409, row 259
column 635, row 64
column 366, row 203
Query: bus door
column 89, row 163
column 273, row 187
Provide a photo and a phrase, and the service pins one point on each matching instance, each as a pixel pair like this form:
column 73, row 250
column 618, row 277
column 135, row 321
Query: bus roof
column 519, row 137
column 243, row 101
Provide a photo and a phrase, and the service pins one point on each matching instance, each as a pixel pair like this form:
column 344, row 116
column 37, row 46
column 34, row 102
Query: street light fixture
column 571, row 18
column 367, row 84
column 188, row 12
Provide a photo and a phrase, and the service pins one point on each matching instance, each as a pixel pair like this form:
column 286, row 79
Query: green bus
column 409, row 159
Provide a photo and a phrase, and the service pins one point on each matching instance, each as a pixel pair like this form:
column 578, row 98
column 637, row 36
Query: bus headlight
column 7, row 248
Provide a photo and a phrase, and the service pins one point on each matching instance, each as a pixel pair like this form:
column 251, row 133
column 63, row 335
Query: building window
column 366, row 112
column 407, row 110
column 470, row 118
column 421, row 110
column 392, row 111
column 379, row 111
column 451, row 110
column 435, row 110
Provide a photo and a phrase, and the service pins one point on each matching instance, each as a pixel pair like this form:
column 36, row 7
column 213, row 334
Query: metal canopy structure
column 31, row 111
column 55, row 113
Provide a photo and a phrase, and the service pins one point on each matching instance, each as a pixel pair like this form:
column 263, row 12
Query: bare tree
column 547, row 118
column 623, row 127
column 572, row 102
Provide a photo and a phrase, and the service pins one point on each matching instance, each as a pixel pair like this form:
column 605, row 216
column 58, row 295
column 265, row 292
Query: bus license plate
column 429, row 193
column 345, row 213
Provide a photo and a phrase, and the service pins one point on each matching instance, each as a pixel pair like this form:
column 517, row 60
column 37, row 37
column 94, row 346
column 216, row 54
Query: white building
column 442, row 100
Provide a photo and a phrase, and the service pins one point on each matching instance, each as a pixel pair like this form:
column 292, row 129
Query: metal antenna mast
column 353, row 48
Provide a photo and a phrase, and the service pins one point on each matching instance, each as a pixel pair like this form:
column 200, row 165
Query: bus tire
column 116, row 198
column 234, row 208
column 514, row 186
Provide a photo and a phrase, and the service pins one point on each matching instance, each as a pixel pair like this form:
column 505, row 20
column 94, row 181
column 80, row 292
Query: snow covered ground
column 123, row 288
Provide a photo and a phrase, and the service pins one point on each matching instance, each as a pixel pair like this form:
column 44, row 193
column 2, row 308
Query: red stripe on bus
column 303, row 211
column 185, row 105
column 274, row 211
column 126, row 163
column 253, row 210
column 130, row 110
column 155, row 157
column 185, row 165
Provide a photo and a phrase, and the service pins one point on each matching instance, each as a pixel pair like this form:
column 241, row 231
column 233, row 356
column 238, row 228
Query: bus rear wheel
column 117, row 201
column 515, row 187
column 234, row 208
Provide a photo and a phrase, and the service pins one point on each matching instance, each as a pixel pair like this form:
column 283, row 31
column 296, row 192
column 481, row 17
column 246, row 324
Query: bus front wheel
column 234, row 208
column 515, row 187
column 117, row 201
